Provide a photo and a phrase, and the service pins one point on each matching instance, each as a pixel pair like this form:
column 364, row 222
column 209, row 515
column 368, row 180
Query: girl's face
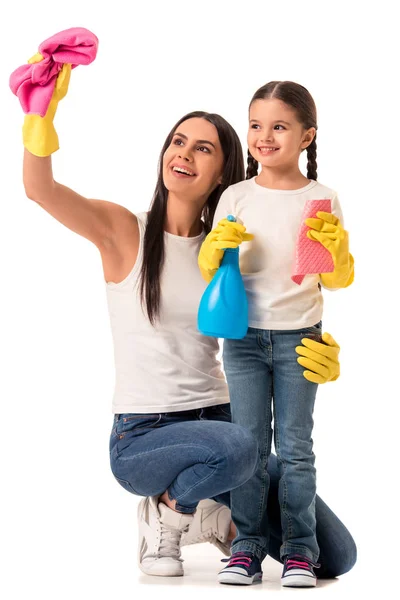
column 276, row 137
column 193, row 162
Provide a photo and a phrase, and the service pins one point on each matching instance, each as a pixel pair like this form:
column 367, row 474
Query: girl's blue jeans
column 266, row 382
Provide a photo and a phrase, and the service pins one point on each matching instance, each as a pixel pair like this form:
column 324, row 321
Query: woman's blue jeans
column 260, row 368
column 200, row 454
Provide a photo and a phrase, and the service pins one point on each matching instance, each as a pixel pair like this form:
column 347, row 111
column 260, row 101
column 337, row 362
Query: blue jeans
column 182, row 452
column 192, row 454
column 261, row 367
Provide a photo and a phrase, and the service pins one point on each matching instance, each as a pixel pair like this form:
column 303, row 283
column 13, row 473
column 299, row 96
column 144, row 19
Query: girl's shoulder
column 324, row 191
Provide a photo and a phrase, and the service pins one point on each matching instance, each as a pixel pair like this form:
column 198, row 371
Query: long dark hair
column 153, row 246
column 299, row 98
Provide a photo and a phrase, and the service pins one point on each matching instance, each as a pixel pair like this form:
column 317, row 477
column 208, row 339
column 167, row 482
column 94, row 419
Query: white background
column 67, row 528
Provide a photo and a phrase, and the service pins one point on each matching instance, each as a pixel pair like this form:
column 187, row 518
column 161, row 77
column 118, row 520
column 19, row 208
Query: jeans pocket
column 132, row 422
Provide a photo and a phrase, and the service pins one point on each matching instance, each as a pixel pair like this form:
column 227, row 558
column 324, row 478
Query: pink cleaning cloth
column 311, row 256
column 34, row 83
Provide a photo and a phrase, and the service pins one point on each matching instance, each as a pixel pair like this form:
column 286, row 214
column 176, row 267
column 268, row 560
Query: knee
column 348, row 557
column 342, row 562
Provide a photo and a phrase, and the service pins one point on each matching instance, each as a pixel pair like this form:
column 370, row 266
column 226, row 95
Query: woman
column 171, row 440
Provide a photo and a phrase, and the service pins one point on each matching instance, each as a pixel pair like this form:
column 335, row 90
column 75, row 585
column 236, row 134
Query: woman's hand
column 321, row 360
column 39, row 134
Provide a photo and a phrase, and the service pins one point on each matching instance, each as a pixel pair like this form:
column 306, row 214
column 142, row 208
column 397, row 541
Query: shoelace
column 300, row 562
column 236, row 559
column 207, row 535
column 297, row 564
column 170, row 542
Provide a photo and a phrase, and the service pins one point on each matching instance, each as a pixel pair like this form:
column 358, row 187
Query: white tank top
column 171, row 366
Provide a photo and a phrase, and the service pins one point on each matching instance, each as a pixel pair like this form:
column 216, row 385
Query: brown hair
column 153, row 246
column 299, row 98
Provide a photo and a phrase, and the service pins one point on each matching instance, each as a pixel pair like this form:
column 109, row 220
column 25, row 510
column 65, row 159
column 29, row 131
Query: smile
column 267, row 149
column 182, row 171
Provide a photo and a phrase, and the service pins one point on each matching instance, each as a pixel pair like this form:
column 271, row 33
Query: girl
column 262, row 366
column 171, row 440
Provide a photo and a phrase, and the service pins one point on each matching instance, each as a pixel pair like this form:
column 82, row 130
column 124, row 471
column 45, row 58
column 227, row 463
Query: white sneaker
column 211, row 523
column 160, row 531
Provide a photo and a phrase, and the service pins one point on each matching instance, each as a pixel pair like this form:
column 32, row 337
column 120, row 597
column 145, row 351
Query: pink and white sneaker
column 298, row 571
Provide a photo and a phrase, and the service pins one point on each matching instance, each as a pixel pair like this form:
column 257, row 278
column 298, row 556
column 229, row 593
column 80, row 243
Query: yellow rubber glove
column 38, row 133
column 328, row 230
column 320, row 360
column 227, row 234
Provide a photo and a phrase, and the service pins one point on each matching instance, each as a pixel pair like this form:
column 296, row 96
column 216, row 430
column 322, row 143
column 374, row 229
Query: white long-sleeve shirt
column 274, row 217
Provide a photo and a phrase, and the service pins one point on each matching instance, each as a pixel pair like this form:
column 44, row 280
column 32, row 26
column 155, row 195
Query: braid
column 252, row 166
column 312, row 159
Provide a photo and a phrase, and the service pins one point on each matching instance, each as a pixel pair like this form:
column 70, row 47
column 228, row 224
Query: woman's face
column 193, row 162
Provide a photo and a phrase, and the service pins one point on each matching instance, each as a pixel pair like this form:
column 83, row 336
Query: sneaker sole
column 238, row 579
column 160, row 572
column 298, row 581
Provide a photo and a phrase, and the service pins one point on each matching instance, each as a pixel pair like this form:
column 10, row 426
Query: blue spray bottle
column 223, row 310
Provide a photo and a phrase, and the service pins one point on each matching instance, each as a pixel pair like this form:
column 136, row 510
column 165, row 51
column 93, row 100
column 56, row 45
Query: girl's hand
column 328, row 230
column 227, row 234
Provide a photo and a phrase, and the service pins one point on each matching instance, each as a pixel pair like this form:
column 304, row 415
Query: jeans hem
column 188, row 510
column 288, row 548
column 249, row 547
